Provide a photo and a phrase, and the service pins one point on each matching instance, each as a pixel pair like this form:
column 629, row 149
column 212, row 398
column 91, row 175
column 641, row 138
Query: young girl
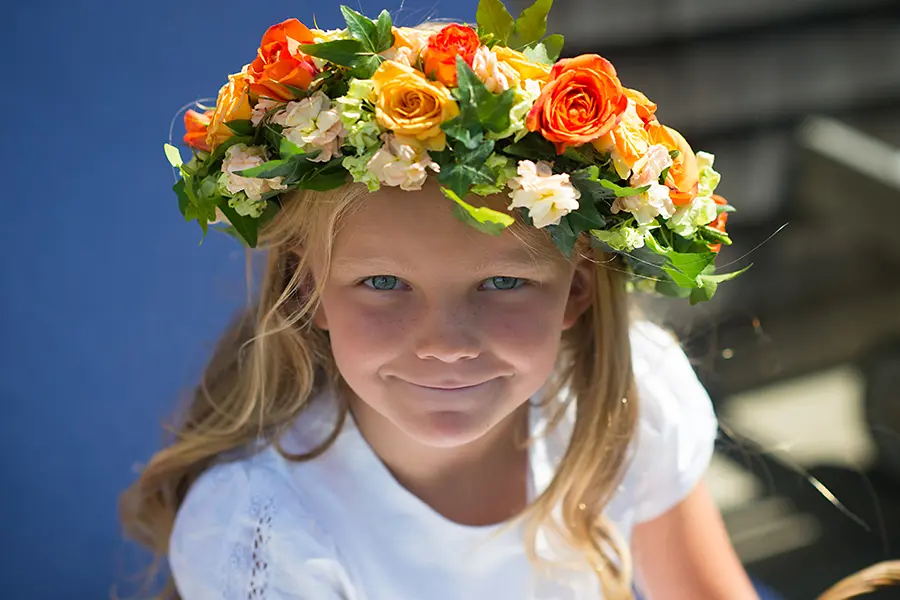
column 416, row 409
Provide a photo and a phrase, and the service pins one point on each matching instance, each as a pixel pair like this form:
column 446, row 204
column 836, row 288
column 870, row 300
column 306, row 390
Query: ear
column 581, row 292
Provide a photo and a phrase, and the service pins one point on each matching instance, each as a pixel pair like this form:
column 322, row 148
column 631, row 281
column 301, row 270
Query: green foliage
column 531, row 25
column 482, row 218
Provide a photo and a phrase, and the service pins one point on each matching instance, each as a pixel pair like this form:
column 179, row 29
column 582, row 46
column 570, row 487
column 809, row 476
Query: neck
column 478, row 483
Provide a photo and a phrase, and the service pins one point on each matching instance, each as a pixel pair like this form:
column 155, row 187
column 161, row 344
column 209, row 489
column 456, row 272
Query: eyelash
column 369, row 283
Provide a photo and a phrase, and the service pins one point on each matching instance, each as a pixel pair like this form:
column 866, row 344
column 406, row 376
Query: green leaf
column 553, row 44
column 714, row 235
column 533, row 146
column 494, row 20
column 623, row 191
column 183, row 201
column 361, row 28
column 384, row 38
column 173, row 155
column 482, row 218
column 346, row 53
column 476, row 103
column 683, row 268
column 246, row 227
column 586, row 217
column 466, row 131
column 366, row 66
column 240, row 127
column 592, row 190
column 531, row 25
column 466, row 168
column 710, row 283
column 267, row 170
column 288, row 149
column 564, row 236
column 324, row 181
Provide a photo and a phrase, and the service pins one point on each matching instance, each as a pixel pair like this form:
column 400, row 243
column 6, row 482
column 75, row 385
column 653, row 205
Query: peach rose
column 646, row 109
column 627, row 142
column 233, row 104
column 411, row 105
column 583, row 101
column 684, row 175
column 439, row 56
column 279, row 62
column 195, row 125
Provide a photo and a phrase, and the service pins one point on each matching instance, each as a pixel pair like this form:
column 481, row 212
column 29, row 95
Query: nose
column 448, row 334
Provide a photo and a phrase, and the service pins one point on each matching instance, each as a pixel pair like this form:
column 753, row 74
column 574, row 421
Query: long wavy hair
column 271, row 361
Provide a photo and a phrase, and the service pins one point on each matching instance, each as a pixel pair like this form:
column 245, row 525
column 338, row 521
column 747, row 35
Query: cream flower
column 313, row 123
column 497, row 76
column 547, row 197
column 655, row 201
column 239, row 158
column 263, row 105
column 401, row 161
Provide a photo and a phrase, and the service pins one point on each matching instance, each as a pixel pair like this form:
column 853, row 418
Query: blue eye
column 382, row 282
column 503, row 283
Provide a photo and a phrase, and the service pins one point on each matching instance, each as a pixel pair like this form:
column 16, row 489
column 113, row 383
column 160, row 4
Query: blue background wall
column 109, row 307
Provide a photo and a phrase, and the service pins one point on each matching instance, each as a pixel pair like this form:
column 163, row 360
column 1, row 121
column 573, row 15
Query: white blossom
column 654, row 202
column 496, row 75
column 547, row 197
column 239, row 158
column 402, row 162
column 313, row 123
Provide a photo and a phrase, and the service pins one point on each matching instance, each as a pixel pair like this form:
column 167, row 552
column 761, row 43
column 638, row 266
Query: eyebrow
column 509, row 260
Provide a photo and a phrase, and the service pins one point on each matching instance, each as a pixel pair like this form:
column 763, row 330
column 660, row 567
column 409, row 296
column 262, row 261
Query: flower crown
column 484, row 111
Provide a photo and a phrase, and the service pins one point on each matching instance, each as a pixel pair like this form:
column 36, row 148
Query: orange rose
column 233, row 104
column 443, row 47
column 684, row 175
column 583, row 101
column 719, row 223
column 278, row 62
column 195, row 124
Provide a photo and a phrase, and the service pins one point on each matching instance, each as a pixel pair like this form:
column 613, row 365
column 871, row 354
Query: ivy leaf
column 622, row 192
column 384, row 38
column 476, row 102
column 173, row 155
column 288, row 149
column 240, row 127
column 709, row 283
column 366, row 66
column 531, row 25
column 466, row 131
column 592, row 191
column 586, row 217
column 361, row 28
column 683, row 267
column 494, row 20
column 272, row 168
column 345, row 53
column 467, row 168
column 246, row 227
column 553, row 44
column 564, row 236
column 183, row 201
column 482, row 218
column 533, row 146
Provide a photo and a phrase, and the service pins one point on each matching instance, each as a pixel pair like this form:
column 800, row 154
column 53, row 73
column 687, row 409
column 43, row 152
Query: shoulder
column 677, row 427
column 242, row 531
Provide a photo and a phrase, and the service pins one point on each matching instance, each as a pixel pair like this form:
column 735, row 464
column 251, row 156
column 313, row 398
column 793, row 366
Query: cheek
column 526, row 333
column 361, row 336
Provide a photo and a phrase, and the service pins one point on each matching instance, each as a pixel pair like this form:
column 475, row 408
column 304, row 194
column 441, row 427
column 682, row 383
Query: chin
column 447, row 429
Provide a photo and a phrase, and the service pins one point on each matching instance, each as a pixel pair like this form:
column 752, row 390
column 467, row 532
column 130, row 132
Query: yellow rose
column 410, row 104
column 409, row 43
column 233, row 104
column 527, row 69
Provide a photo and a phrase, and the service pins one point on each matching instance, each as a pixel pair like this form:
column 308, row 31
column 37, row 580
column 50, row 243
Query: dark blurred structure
column 800, row 103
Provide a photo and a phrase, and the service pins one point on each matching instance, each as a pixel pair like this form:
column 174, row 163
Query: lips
column 448, row 386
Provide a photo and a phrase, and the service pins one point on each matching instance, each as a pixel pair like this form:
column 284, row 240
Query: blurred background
column 110, row 308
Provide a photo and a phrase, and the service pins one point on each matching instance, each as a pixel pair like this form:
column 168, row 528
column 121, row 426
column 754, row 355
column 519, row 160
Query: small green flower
column 246, row 207
column 359, row 170
column 624, row 237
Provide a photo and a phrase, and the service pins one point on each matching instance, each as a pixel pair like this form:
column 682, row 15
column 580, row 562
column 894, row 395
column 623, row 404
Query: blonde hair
column 271, row 361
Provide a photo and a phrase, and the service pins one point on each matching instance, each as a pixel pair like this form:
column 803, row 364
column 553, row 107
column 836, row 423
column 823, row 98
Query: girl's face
column 441, row 329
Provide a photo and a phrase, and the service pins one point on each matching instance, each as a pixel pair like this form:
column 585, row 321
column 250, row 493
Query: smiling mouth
column 450, row 387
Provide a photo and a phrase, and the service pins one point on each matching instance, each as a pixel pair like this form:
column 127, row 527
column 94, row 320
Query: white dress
column 341, row 527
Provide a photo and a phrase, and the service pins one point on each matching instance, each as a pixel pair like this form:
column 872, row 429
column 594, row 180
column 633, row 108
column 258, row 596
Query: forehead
column 420, row 227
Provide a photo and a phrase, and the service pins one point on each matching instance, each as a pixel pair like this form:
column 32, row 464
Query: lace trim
column 261, row 511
